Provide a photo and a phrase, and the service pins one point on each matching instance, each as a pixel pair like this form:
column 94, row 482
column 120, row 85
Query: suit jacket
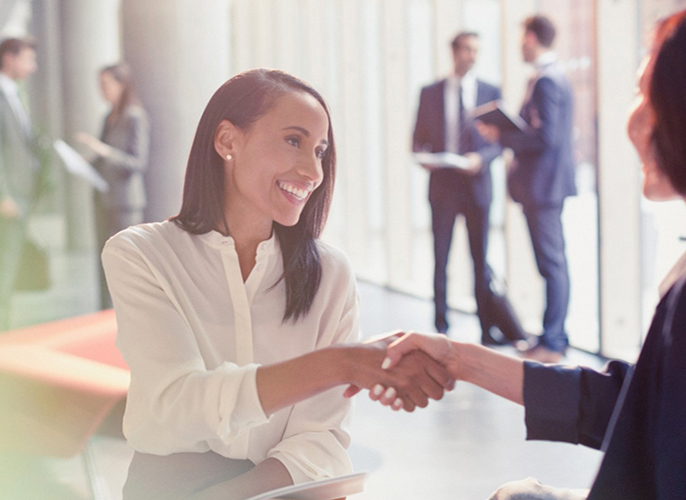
column 429, row 135
column 636, row 414
column 543, row 173
column 19, row 169
column 125, row 166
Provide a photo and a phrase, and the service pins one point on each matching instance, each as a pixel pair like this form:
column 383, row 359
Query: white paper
column 325, row 489
column 78, row 166
column 443, row 160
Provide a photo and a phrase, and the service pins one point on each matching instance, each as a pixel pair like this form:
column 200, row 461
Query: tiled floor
column 461, row 448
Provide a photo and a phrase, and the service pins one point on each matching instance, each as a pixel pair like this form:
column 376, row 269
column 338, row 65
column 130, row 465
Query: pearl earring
column 229, row 157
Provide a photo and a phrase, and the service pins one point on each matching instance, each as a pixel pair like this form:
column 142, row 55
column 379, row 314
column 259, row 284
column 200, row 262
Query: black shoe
column 441, row 324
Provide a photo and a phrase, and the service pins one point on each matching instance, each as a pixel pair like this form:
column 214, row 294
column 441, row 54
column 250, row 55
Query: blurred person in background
column 121, row 158
column 20, row 171
column 542, row 176
column 443, row 125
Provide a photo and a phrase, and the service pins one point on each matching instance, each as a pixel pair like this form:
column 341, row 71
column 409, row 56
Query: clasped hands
column 402, row 374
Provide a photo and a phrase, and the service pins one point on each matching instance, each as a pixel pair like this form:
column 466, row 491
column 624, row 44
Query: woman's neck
column 247, row 235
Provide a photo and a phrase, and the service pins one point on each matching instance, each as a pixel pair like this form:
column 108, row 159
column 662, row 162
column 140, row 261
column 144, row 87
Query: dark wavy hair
column 667, row 88
column 243, row 100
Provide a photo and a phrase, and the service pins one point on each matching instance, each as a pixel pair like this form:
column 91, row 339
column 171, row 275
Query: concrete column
column 618, row 172
column 90, row 40
column 449, row 21
column 396, row 119
column 179, row 51
column 46, row 92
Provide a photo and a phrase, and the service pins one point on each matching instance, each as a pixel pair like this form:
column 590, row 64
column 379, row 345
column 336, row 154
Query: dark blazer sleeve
column 546, row 100
column 571, row 404
column 487, row 150
column 428, row 131
column 420, row 135
column 131, row 150
column 5, row 191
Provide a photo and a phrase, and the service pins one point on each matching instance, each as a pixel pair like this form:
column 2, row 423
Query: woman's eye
column 293, row 141
column 321, row 153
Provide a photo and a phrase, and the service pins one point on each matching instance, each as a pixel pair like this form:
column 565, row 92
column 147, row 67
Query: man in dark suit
column 443, row 124
column 19, row 169
column 542, row 176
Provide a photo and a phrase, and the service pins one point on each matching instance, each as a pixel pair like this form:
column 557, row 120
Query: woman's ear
column 226, row 140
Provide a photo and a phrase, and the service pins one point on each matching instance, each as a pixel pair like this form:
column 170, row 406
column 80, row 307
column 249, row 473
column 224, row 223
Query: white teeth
column 300, row 194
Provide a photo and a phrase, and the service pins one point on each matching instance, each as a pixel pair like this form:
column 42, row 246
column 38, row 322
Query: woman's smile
column 293, row 192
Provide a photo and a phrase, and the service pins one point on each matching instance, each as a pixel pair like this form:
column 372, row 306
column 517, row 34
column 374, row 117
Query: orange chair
column 58, row 383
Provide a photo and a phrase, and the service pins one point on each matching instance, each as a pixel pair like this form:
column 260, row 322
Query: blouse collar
column 215, row 239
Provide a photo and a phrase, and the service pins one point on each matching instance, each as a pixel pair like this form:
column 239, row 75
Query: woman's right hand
column 411, row 382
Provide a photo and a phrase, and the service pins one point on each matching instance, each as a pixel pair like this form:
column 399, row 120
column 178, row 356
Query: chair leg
column 92, row 475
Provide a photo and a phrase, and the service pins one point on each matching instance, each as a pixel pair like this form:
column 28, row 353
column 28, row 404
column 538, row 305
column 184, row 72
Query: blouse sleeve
column 571, row 404
column 315, row 442
column 174, row 403
column 133, row 155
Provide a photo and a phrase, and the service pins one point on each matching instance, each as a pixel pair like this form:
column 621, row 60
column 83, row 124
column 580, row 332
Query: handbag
column 33, row 273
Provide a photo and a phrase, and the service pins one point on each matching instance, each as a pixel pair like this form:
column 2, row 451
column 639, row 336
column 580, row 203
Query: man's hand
column 475, row 162
column 490, row 133
column 9, row 208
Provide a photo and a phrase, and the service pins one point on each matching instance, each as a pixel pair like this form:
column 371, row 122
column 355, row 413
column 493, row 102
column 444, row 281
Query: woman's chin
column 288, row 221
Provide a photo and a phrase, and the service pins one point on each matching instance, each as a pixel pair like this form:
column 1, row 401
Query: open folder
column 77, row 165
column 444, row 159
column 493, row 113
column 324, row 489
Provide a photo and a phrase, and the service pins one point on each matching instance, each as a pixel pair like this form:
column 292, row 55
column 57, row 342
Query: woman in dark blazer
column 122, row 157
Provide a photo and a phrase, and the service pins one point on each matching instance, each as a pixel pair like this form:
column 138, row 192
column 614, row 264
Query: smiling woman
column 234, row 317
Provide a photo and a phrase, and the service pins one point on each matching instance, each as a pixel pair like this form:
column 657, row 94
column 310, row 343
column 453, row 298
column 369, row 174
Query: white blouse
column 193, row 334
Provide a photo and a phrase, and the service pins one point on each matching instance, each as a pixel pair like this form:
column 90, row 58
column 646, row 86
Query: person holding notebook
column 443, row 125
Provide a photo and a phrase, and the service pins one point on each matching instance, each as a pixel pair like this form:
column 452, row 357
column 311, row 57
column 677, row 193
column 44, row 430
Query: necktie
column 460, row 122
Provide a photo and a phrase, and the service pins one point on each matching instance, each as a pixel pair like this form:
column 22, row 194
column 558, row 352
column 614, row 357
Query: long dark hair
column 242, row 100
column 121, row 72
column 668, row 99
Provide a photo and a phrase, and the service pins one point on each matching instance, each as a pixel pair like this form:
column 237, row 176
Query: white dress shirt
column 451, row 102
column 193, row 334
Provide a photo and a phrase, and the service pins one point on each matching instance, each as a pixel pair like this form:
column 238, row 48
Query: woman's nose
column 311, row 167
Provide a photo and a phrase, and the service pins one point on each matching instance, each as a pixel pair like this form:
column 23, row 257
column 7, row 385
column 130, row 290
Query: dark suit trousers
column 444, row 212
column 547, row 238
column 12, row 233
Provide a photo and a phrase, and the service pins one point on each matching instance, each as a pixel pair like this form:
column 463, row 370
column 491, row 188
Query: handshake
column 404, row 370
